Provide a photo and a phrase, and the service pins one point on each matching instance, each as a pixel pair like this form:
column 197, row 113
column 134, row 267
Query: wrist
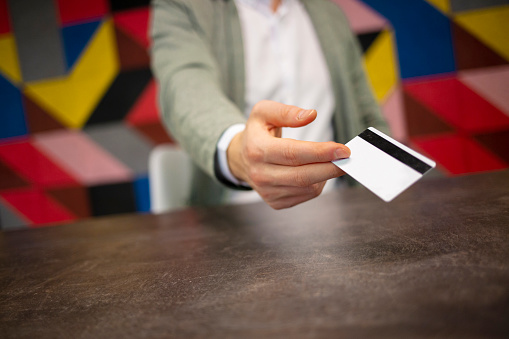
column 222, row 166
column 233, row 154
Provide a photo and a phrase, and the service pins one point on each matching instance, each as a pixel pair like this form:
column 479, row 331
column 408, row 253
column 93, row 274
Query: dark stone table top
column 434, row 263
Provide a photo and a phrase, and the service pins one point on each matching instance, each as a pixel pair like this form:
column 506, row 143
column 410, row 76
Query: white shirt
column 284, row 63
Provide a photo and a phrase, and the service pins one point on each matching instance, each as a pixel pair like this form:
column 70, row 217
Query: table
column 432, row 263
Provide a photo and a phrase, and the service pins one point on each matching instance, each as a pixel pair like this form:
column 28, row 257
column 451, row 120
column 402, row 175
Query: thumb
column 280, row 115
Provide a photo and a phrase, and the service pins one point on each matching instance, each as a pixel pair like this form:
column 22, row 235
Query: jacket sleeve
column 193, row 105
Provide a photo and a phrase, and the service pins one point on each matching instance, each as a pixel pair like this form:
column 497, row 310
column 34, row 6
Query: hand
column 285, row 172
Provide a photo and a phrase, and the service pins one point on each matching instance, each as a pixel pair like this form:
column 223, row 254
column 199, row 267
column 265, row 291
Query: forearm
column 197, row 114
column 193, row 106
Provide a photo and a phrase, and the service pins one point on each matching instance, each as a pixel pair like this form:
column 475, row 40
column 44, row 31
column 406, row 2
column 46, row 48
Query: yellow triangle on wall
column 9, row 64
column 381, row 66
column 490, row 26
column 72, row 99
column 443, row 5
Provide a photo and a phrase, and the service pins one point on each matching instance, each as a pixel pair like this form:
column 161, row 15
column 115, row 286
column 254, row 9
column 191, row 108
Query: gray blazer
column 198, row 60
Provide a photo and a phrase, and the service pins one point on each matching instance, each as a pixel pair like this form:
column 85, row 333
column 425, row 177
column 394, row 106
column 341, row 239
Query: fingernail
column 303, row 114
column 342, row 153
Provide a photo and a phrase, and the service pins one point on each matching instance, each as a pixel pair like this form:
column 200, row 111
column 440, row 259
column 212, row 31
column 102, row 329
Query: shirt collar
column 264, row 6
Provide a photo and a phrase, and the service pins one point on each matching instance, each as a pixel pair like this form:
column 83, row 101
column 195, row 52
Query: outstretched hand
column 285, row 172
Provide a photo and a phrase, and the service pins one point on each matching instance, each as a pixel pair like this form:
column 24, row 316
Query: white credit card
column 383, row 165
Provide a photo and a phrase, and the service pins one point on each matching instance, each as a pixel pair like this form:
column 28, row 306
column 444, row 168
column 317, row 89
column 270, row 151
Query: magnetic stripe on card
column 394, row 151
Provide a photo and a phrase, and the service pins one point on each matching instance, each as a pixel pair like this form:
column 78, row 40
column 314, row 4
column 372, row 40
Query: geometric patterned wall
column 78, row 113
column 78, row 110
column 451, row 96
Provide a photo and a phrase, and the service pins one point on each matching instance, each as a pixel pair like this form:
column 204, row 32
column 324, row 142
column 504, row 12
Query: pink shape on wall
column 361, row 17
column 491, row 83
column 394, row 113
column 79, row 155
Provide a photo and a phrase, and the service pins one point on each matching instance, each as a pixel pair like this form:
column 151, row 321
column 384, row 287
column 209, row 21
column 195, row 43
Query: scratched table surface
column 434, row 263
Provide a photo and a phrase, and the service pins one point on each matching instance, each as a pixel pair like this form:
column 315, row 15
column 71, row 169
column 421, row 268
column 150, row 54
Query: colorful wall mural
column 78, row 115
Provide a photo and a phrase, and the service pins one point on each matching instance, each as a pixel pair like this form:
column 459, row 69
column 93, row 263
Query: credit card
column 383, row 165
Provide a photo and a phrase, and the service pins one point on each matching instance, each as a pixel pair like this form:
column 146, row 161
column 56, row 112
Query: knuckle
column 301, row 180
column 326, row 149
column 259, row 106
column 281, row 204
column 274, row 204
column 290, row 155
column 278, row 206
column 254, row 153
column 258, row 177
column 285, row 113
column 293, row 202
column 315, row 190
column 335, row 172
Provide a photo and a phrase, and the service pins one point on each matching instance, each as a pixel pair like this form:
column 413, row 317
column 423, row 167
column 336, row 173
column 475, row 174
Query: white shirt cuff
column 222, row 147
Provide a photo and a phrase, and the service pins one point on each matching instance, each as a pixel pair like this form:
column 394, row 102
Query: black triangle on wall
column 121, row 96
column 112, row 199
column 120, row 5
column 367, row 39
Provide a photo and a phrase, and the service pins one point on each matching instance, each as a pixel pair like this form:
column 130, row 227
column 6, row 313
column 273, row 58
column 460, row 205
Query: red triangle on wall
column 5, row 25
column 155, row 132
column 458, row 105
column 74, row 198
column 497, row 142
column 36, row 206
column 134, row 22
column 459, row 154
column 34, row 165
column 131, row 53
column 422, row 121
column 145, row 108
column 71, row 11
column 10, row 179
column 472, row 53
column 38, row 119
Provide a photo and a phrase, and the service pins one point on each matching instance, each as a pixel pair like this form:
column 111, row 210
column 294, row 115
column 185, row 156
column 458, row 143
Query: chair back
column 170, row 173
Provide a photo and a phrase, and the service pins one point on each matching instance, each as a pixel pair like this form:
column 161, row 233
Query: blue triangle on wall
column 12, row 117
column 423, row 36
column 76, row 38
column 142, row 194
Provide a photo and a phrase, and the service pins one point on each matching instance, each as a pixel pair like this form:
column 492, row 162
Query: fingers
column 284, row 172
column 298, row 176
column 291, row 152
column 270, row 116
column 297, row 186
column 280, row 115
column 285, row 197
